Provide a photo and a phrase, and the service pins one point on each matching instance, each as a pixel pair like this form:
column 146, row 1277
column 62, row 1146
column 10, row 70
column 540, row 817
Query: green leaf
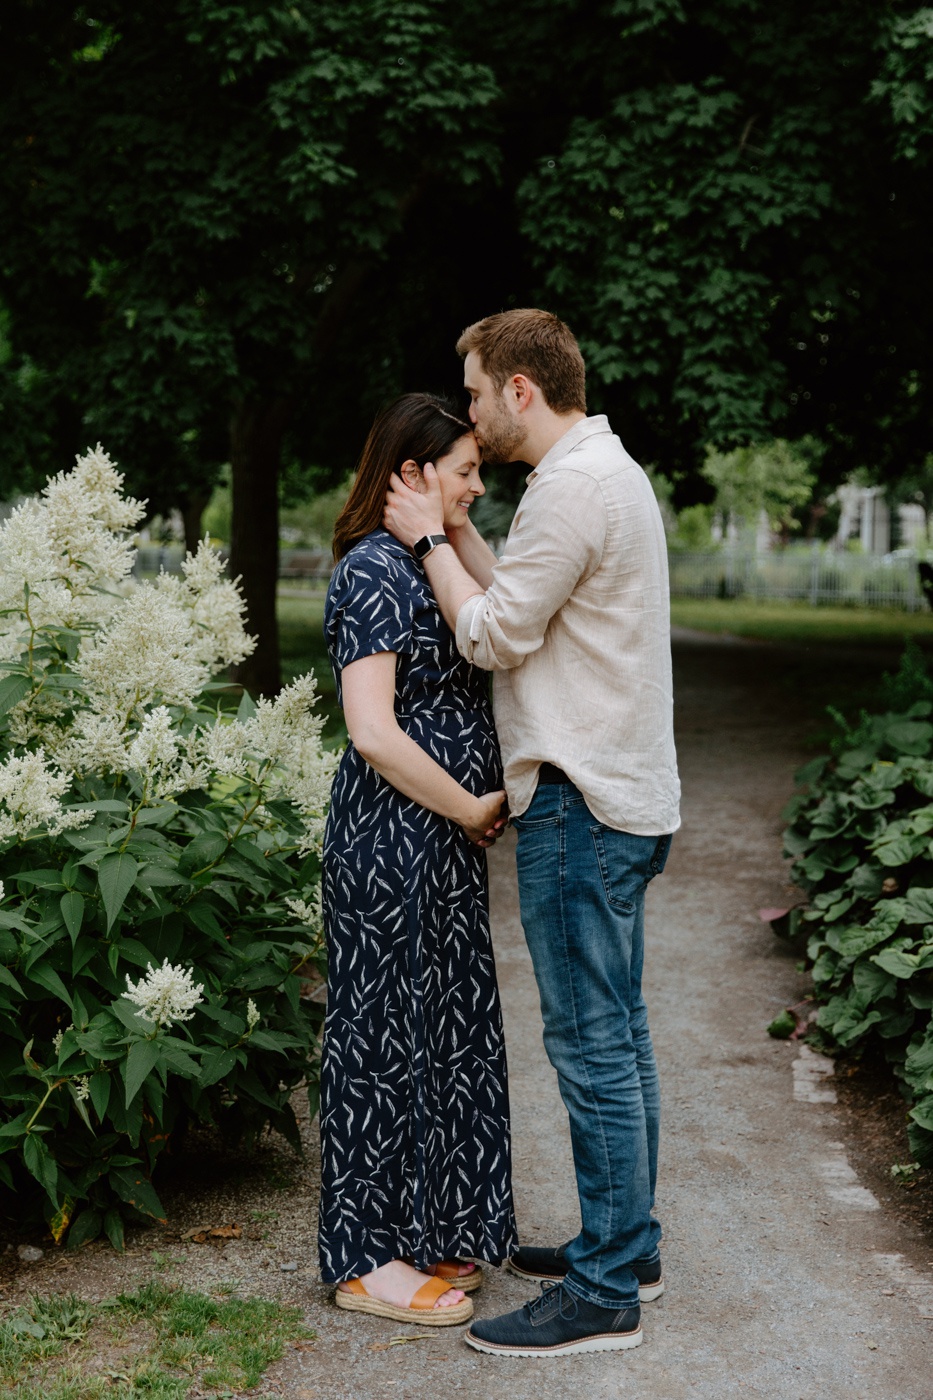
column 203, row 852
column 113, row 1229
column 126, row 1012
column 12, row 690
column 908, row 736
column 898, row 851
column 47, row 977
column 16, row 1127
column 783, row 1026
column 246, row 708
column 133, row 1186
column 918, row 906
column 8, row 980
column 142, row 1058
column 84, row 1228
column 155, row 875
column 41, row 1164
column 274, row 1040
column 116, row 876
column 100, row 1092
column 216, row 1065
column 156, row 816
column 72, row 907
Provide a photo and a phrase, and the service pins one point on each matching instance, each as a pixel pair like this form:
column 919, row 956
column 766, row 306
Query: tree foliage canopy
column 230, row 230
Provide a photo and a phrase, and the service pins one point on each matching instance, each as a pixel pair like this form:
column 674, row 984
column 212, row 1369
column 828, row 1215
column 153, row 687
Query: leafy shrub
column 159, row 860
column 861, row 839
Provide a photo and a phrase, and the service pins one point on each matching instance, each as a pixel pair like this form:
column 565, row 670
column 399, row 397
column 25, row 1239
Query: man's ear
column 413, row 476
column 521, row 391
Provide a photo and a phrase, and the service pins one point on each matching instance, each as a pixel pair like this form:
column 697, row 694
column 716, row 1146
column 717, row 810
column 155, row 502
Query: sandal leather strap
column 429, row 1293
column 449, row 1269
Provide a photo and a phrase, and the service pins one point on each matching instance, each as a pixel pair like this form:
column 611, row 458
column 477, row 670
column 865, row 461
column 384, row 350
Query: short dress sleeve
column 370, row 608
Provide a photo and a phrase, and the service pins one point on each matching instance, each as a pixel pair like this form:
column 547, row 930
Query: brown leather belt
column 550, row 773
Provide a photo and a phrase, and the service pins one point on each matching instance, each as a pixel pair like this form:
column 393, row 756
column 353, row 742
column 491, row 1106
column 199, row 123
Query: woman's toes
column 451, row 1298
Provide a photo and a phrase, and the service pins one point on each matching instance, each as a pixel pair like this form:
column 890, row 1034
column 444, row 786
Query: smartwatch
column 422, row 548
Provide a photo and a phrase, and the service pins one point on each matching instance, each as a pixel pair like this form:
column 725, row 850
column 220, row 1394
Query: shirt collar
column 586, row 427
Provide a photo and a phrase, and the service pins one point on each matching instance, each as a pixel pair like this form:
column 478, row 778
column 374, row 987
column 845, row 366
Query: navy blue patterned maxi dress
column 415, row 1155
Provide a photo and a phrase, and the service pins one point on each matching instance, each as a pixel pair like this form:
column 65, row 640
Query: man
column 574, row 621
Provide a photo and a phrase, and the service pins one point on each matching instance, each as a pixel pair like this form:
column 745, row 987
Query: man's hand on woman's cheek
column 410, row 514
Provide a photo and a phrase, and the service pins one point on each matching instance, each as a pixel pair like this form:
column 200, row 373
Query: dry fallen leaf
column 212, row 1234
column 401, row 1341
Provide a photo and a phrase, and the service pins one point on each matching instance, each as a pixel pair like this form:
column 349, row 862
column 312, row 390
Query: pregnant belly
column 462, row 742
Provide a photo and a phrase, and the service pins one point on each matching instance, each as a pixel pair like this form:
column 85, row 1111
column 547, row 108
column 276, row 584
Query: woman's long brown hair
column 419, row 427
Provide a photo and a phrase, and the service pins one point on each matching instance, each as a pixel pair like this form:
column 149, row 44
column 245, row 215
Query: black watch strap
column 422, row 548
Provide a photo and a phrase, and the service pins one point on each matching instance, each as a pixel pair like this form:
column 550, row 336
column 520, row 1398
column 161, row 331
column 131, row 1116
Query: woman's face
column 458, row 476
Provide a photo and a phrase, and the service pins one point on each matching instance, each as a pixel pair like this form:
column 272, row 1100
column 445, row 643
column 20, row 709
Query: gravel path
column 786, row 1277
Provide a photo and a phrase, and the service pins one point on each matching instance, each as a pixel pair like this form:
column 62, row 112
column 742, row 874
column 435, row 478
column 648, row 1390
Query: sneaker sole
column 647, row 1292
column 605, row 1341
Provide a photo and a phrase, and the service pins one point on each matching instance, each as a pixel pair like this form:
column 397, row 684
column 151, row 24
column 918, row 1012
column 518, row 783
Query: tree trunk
column 255, row 454
column 193, row 507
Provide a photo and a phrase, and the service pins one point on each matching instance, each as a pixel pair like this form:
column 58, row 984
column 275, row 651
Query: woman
column 415, row 1165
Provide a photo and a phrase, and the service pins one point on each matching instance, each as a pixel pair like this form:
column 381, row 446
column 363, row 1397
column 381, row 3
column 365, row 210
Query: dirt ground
column 795, row 1267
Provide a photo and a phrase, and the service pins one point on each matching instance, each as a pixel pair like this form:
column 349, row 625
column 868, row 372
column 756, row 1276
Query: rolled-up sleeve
column 556, row 539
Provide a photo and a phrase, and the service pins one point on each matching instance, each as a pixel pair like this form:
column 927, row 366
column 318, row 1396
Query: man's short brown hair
column 536, row 344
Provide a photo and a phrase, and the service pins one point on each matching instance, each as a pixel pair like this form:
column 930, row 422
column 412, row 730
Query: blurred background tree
column 230, row 231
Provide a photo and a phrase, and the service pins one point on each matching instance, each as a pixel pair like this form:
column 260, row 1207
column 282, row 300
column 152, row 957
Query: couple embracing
column 573, row 621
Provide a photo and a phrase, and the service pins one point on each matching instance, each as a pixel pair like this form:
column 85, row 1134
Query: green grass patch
column 158, row 1343
column 799, row 622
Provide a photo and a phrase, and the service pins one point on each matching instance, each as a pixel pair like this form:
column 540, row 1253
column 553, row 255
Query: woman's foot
column 452, row 1268
column 398, row 1282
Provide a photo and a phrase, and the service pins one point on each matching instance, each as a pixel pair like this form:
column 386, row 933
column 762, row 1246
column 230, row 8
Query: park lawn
column 160, row 1343
column 801, row 623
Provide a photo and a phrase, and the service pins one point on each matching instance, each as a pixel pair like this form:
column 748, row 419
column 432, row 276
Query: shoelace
column 552, row 1295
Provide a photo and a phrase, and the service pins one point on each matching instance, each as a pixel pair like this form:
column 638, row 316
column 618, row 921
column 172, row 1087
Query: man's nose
column 471, row 413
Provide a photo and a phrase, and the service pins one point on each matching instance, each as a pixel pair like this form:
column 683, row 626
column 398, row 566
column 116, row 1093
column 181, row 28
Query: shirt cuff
column 470, row 625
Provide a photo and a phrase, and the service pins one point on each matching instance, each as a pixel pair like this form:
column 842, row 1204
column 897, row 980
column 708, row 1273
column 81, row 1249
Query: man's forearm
column 474, row 553
column 452, row 585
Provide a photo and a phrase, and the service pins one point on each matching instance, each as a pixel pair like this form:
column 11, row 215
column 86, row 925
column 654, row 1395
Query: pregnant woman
column 415, row 1158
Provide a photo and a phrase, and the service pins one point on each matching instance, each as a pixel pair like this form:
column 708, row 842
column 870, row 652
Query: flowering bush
column 159, row 859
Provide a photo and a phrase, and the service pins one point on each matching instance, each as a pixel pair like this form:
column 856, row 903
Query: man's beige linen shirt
column 576, row 625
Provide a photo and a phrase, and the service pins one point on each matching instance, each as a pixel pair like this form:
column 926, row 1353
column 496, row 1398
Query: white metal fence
column 293, row 563
column 817, row 576
column 813, row 576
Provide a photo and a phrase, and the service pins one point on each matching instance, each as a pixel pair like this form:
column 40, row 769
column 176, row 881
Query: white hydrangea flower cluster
column 63, row 555
column 279, row 749
column 31, row 792
column 144, row 653
column 308, row 911
column 166, row 994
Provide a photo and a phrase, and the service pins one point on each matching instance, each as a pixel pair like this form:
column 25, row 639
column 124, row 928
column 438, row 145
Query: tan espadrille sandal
column 421, row 1310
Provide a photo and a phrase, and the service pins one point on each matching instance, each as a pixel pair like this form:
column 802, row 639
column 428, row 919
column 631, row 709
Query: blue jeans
column 582, row 890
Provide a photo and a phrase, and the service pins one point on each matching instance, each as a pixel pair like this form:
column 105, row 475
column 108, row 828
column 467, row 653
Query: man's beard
column 501, row 438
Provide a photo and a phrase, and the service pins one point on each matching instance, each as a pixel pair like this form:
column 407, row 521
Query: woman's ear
column 413, row 476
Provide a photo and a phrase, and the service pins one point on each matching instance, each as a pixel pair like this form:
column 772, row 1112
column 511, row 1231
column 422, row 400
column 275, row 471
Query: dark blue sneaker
column 557, row 1324
column 550, row 1266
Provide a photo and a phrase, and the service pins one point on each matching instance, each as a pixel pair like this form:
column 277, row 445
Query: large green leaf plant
column 861, row 839
column 159, row 855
